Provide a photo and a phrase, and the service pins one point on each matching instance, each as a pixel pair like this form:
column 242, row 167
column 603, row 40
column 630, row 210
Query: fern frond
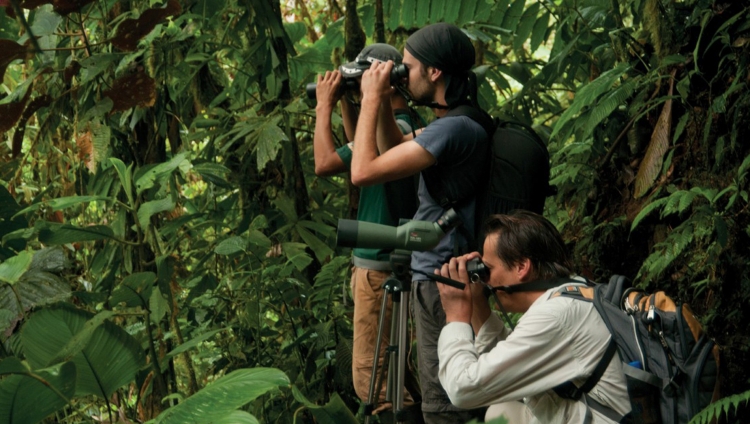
column 721, row 406
column 589, row 93
column 672, row 201
column 659, row 203
column 608, row 105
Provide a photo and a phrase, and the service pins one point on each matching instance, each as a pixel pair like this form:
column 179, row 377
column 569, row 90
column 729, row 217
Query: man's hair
column 527, row 235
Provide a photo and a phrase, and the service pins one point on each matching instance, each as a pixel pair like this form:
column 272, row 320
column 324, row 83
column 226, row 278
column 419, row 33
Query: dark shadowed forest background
column 168, row 253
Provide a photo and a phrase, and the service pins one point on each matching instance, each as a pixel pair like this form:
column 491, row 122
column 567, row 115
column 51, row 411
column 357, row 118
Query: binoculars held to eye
column 398, row 73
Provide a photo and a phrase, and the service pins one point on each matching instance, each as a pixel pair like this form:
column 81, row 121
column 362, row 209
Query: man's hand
column 376, row 82
column 458, row 304
column 328, row 90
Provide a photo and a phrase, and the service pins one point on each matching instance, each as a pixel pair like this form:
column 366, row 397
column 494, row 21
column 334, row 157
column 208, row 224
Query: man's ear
column 434, row 73
column 523, row 269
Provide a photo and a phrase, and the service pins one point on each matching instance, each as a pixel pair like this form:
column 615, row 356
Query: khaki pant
column 367, row 291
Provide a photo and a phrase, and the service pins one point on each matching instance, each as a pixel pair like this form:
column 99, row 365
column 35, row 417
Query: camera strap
column 538, row 285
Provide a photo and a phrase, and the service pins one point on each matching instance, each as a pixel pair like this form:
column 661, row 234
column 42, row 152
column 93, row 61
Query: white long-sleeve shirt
column 558, row 339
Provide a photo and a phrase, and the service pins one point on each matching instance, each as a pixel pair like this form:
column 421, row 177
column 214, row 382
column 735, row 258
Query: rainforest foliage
column 167, row 252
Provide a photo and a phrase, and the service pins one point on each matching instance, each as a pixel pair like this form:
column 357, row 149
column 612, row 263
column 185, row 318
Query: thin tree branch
column 25, row 24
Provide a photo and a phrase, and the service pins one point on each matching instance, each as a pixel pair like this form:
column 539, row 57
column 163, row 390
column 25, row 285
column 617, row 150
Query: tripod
column 398, row 287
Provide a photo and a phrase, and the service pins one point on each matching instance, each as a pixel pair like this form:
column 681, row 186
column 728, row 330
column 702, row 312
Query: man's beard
column 425, row 94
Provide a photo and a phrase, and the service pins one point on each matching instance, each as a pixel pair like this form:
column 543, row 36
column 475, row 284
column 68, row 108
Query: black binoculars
column 398, row 73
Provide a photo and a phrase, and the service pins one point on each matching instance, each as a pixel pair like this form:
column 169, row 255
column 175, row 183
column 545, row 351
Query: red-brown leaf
column 71, row 71
column 85, row 144
column 652, row 161
column 10, row 51
column 132, row 30
column 33, row 4
column 65, row 7
column 132, row 90
column 34, row 105
column 10, row 113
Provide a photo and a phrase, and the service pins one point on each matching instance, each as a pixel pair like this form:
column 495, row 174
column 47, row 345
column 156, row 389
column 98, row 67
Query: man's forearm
column 349, row 117
column 480, row 314
column 327, row 161
column 365, row 146
column 388, row 132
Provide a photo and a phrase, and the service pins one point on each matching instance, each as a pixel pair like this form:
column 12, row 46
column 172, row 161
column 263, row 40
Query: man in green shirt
column 381, row 203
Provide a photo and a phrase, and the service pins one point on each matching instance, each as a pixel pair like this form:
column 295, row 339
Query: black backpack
column 515, row 177
column 671, row 366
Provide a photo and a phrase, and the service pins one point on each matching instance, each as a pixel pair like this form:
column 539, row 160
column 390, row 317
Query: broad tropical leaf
column 12, row 269
column 56, row 234
column 134, row 290
column 224, row 395
column 28, row 396
column 334, row 412
column 109, row 360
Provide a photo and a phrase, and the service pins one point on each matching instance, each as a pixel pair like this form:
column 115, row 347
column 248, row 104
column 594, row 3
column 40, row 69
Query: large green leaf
column 145, row 179
column 236, row 417
column 513, row 15
column 539, row 32
column 55, row 234
column 422, row 13
column 334, row 412
column 437, row 8
column 149, row 209
column 61, row 203
column 12, row 269
column 526, row 25
column 39, row 285
column 588, row 94
column 27, row 396
column 231, row 245
column 109, row 360
column 408, row 10
column 125, row 173
column 270, row 137
column 194, row 342
column 224, row 395
column 134, row 290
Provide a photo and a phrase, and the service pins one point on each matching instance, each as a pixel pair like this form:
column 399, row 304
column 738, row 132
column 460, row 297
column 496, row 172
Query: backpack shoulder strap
column 477, row 115
column 432, row 179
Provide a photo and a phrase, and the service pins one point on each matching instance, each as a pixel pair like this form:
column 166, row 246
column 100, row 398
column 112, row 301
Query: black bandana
column 445, row 47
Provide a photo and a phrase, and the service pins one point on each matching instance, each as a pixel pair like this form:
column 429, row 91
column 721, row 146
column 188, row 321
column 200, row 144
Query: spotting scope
column 412, row 235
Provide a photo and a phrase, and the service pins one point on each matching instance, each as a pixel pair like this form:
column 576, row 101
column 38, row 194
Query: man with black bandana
column 439, row 59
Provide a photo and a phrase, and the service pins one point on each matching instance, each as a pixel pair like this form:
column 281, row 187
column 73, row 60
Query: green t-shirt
column 373, row 203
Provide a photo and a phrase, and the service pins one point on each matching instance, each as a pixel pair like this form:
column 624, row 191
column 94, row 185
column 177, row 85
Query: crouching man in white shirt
column 558, row 340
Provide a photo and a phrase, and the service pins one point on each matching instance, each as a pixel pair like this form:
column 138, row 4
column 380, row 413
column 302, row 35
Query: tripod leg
column 393, row 349
column 403, row 315
column 371, row 397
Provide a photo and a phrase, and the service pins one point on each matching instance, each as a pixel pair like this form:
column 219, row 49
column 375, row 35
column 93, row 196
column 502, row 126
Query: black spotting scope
column 413, row 235
column 398, row 73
